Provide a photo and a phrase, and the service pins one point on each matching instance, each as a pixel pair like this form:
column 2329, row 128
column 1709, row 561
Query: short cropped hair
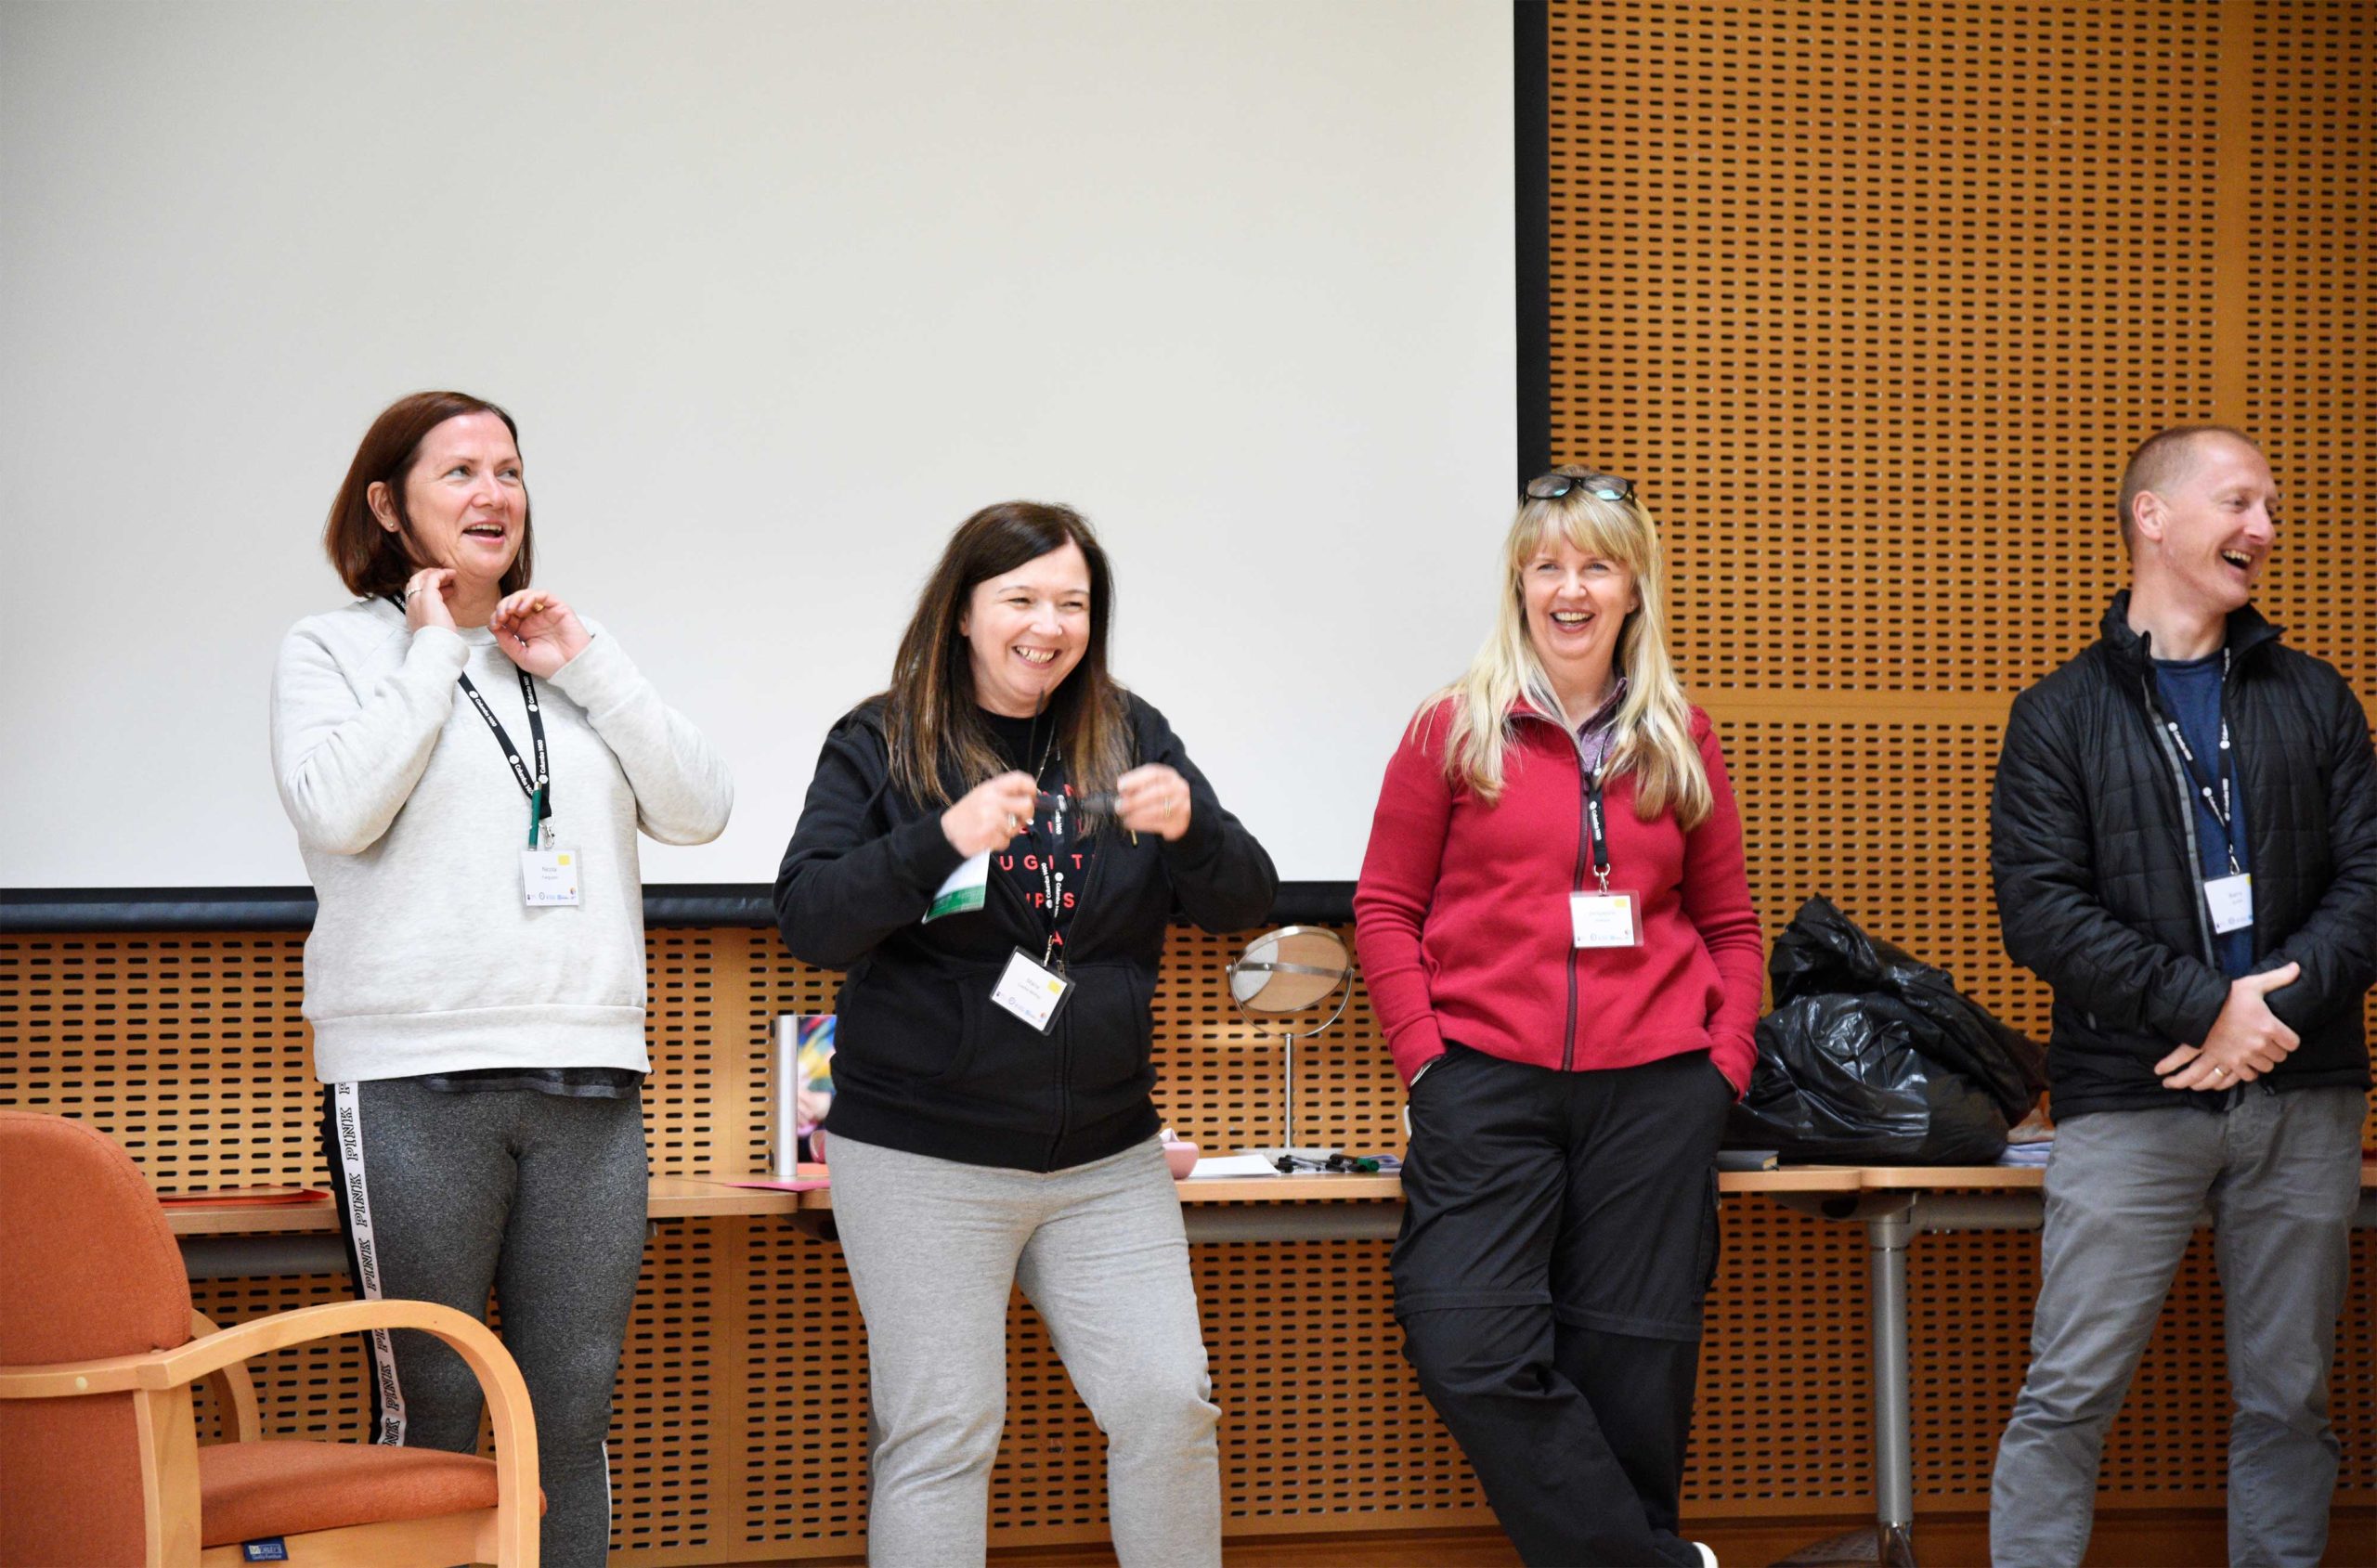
column 2161, row 460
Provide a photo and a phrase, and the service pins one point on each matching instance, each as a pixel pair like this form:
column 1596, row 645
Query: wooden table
column 1894, row 1204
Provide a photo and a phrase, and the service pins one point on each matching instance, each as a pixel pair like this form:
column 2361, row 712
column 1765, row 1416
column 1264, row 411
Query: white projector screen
column 779, row 294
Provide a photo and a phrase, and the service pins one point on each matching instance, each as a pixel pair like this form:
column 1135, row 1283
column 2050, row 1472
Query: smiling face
column 2203, row 536
column 465, row 500
column 1576, row 602
column 1026, row 629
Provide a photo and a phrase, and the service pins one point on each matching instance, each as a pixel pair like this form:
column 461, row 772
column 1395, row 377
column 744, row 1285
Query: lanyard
column 2222, row 806
column 1047, row 847
column 1052, row 880
column 1598, row 829
column 538, row 786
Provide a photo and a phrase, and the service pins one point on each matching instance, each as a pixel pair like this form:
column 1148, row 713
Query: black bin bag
column 1871, row 1054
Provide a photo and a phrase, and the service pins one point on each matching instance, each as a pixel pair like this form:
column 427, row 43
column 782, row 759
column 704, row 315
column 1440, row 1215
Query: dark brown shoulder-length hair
column 940, row 746
column 368, row 559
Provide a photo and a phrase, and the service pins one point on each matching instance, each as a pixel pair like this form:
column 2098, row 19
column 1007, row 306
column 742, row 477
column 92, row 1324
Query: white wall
column 779, row 294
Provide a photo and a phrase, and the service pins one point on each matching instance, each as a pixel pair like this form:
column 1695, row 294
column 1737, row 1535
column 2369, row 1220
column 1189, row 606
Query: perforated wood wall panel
column 2304, row 368
column 1873, row 298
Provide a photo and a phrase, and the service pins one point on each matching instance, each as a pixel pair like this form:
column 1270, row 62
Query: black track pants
column 1559, row 1234
column 539, row 1196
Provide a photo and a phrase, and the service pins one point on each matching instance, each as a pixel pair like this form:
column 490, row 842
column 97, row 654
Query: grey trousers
column 2281, row 1175
column 932, row 1247
column 443, row 1195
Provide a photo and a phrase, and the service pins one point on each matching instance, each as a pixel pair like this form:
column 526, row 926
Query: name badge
column 1605, row 919
column 2230, row 899
column 548, row 877
column 1030, row 990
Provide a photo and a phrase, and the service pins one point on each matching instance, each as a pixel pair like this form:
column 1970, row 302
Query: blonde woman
column 1556, row 929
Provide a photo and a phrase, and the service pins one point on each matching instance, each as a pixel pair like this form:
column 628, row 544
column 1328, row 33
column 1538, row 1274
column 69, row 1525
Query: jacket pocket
column 1112, row 1030
column 911, row 1029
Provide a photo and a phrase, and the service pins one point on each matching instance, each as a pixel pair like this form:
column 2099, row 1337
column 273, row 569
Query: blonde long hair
column 1652, row 739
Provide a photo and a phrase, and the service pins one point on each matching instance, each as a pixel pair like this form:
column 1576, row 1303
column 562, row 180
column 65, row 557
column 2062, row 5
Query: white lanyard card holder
column 1032, row 991
column 548, row 877
column 2230, row 899
column 1605, row 919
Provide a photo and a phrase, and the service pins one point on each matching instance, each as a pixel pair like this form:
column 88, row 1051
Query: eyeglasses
column 1604, row 486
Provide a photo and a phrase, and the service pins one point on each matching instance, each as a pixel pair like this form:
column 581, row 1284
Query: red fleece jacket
column 1462, row 915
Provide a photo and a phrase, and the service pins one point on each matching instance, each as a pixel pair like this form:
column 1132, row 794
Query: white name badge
column 1030, row 990
column 2231, row 902
column 548, row 877
column 1605, row 919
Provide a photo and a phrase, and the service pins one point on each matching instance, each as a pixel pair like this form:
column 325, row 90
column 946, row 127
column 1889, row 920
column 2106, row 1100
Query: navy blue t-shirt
column 2189, row 693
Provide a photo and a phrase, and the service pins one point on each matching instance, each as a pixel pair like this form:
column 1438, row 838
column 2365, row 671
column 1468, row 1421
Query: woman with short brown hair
column 467, row 765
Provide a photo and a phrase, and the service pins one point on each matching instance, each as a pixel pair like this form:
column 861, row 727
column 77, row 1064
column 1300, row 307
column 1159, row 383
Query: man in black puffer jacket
column 2184, row 838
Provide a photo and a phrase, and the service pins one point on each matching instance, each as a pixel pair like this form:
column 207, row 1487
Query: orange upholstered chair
column 99, row 1461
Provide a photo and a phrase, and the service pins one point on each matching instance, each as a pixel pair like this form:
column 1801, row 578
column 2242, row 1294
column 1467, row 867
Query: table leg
column 1886, row 1238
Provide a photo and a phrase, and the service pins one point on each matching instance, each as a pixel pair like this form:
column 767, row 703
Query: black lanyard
column 1598, row 829
column 537, row 786
column 2222, row 806
column 1047, row 847
column 1052, row 880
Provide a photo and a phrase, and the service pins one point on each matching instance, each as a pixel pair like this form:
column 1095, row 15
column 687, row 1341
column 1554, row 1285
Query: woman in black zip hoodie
column 994, row 849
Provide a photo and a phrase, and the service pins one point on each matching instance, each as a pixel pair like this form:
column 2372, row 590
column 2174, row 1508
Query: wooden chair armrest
column 516, row 1509
column 71, row 1380
column 234, row 1391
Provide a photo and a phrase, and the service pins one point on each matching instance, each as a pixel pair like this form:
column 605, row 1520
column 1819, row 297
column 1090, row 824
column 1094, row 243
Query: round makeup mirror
column 1285, row 977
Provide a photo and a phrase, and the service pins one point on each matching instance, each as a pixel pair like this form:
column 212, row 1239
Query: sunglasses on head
column 1603, row 487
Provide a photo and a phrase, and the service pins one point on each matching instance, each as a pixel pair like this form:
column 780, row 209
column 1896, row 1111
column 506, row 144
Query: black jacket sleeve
column 2337, row 946
column 849, row 879
column 2041, row 857
column 1224, row 880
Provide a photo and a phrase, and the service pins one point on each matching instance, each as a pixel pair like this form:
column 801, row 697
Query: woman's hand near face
column 537, row 631
column 991, row 813
column 1153, row 799
column 425, row 599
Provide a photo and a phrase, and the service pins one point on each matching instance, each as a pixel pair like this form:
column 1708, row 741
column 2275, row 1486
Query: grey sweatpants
column 539, row 1196
column 933, row 1247
column 2281, row 1174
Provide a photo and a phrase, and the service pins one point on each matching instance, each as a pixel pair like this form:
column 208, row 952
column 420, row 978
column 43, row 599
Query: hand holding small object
column 1153, row 799
column 991, row 813
column 537, row 631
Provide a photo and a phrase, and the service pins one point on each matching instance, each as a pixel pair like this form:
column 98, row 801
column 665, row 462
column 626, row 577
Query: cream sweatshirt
column 425, row 956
